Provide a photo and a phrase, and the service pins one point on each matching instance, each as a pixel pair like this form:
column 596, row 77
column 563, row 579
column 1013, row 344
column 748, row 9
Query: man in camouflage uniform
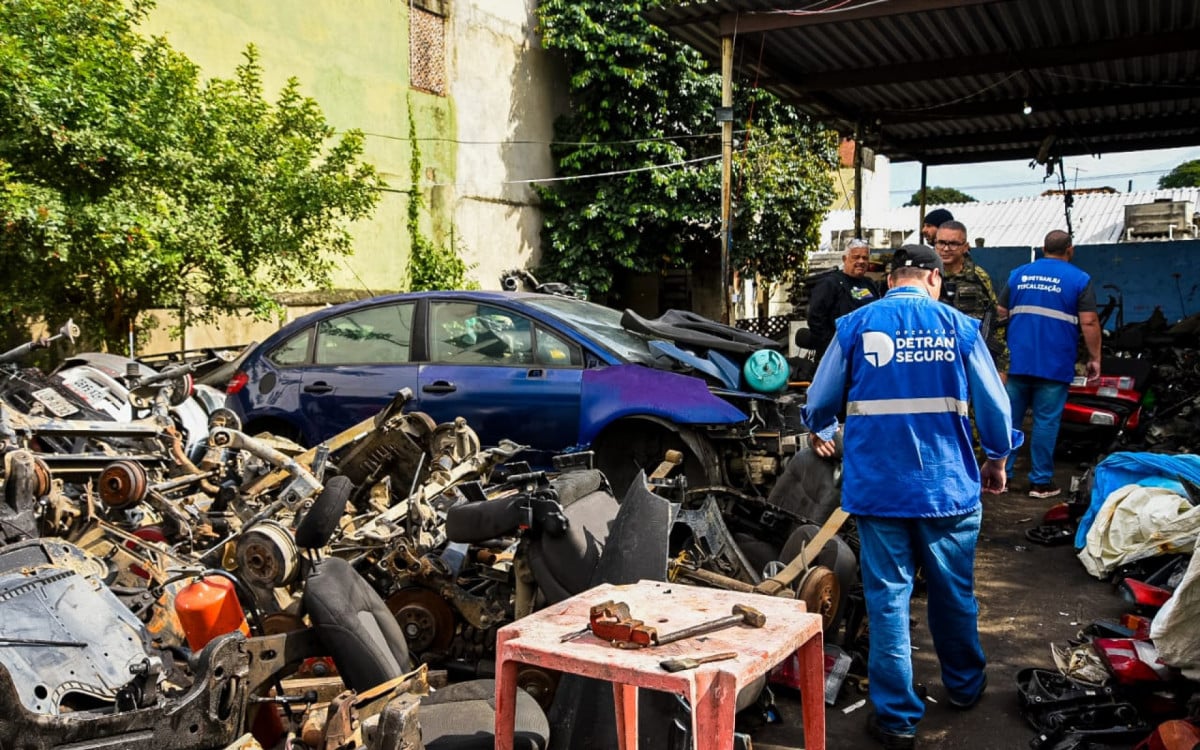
column 968, row 288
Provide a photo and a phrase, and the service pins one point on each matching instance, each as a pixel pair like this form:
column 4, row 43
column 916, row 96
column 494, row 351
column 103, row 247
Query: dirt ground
column 1030, row 596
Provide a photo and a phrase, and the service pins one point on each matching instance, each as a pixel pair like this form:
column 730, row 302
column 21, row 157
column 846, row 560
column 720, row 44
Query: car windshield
column 601, row 323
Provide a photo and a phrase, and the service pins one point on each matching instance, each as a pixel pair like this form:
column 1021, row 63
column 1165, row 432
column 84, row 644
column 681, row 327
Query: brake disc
column 820, row 591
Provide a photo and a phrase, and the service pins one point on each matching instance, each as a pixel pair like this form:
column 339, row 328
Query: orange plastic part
column 209, row 608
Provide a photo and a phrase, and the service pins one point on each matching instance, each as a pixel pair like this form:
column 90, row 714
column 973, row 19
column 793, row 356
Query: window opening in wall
column 427, row 50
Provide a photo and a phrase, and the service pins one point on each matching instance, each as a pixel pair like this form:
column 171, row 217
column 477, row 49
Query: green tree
column 1186, row 174
column 639, row 101
column 936, row 196
column 126, row 184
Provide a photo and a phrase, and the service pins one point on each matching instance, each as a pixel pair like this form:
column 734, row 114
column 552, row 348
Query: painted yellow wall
column 352, row 57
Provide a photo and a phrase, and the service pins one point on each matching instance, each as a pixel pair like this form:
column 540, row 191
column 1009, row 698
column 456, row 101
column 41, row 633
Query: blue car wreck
column 553, row 373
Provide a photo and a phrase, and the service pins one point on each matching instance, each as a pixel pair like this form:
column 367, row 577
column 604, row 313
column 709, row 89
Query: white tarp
column 1136, row 522
column 1174, row 630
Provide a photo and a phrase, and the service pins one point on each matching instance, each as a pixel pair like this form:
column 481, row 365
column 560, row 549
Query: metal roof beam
column 1064, row 132
column 1048, row 103
column 1005, row 62
column 766, row 21
column 1012, row 153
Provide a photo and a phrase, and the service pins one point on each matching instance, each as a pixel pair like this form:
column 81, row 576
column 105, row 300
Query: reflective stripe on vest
column 883, row 406
column 1045, row 312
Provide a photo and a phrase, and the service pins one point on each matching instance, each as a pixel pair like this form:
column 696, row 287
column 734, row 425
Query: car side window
column 554, row 351
column 476, row 334
column 294, row 351
column 374, row 336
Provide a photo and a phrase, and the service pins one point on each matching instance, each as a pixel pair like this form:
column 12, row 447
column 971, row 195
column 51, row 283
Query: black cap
column 920, row 256
column 938, row 217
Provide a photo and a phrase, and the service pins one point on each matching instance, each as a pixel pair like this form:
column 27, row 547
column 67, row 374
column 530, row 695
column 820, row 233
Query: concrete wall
column 507, row 92
column 1147, row 274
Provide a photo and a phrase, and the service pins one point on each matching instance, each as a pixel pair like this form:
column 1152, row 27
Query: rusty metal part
column 454, row 439
column 683, row 570
column 610, row 621
column 743, row 614
column 820, row 591
column 342, row 727
column 776, row 584
column 123, row 484
column 281, row 622
column 671, row 459
column 425, row 617
column 267, row 555
column 539, row 683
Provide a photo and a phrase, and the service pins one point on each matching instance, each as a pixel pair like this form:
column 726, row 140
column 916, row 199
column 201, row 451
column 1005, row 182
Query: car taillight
column 237, row 382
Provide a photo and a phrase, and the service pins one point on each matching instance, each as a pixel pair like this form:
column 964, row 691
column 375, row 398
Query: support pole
column 921, row 213
column 858, row 163
column 726, row 175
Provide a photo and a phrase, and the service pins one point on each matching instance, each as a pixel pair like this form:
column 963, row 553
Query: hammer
column 742, row 614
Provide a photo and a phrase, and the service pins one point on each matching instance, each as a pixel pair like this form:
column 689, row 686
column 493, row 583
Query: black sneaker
column 968, row 705
column 888, row 740
column 1049, row 489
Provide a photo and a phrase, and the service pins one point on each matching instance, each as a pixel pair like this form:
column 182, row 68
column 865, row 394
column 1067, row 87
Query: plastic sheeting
column 1137, row 522
column 1174, row 630
column 1147, row 469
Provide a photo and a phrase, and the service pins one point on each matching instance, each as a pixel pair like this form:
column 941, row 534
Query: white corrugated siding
column 1097, row 218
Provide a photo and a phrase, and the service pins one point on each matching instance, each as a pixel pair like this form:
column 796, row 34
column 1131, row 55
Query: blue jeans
column 1047, row 397
column 892, row 548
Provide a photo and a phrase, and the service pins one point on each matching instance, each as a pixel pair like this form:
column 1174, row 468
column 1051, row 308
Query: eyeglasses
column 948, row 243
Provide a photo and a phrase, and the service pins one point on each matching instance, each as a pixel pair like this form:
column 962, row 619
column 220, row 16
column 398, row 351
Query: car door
column 507, row 375
column 359, row 360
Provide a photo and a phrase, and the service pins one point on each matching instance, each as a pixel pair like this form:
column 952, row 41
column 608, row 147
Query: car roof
column 308, row 319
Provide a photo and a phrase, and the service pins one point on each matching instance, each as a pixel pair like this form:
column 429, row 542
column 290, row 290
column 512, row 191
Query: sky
column 1015, row 179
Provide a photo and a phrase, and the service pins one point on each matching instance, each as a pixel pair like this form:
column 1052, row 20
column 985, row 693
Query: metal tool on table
column 684, row 663
column 611, row 621
column 742, row 615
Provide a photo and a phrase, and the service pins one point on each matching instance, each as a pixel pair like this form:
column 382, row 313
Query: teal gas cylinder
column 766, row 371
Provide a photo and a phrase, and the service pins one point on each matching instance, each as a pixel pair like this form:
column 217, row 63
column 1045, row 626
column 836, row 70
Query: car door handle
column 319, row 387
column 440, row 386
column 537, row 372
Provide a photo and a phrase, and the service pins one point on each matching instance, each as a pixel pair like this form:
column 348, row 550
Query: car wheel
column 630, row 446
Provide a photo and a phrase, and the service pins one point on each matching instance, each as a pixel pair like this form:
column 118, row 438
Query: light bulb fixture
column 1027, row 109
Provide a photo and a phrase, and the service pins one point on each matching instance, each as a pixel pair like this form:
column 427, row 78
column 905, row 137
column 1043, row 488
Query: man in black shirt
column 841, row 291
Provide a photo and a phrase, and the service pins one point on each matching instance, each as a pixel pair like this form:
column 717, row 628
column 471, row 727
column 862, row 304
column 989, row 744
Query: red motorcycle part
column 1176, row 734
column 1144, row 594
column 1132, row 662
column 1138, row 624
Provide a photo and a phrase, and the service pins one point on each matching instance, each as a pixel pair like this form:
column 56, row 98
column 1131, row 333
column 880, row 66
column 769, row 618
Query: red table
column 711, row 689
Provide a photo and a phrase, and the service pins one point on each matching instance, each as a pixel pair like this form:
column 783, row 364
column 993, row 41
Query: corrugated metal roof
column 1096, row 218
column 945, row 81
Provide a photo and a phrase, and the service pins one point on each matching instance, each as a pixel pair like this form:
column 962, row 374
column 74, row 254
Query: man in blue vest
column 1047, row 303
column 907, row 368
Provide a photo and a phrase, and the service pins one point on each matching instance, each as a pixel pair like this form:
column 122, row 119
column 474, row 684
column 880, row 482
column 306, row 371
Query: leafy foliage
column 936, row 196
column 127, row 185
column 641, row 101
column 430, row 266
column 1186, row 174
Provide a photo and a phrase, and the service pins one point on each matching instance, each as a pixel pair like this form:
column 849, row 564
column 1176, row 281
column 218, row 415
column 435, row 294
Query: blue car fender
column 610, row 393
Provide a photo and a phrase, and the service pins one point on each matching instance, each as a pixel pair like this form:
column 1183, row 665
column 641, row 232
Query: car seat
column 368, row 647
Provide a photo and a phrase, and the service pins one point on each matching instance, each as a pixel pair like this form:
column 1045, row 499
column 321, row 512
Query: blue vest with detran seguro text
column 907, row 436
column 1043, row 327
